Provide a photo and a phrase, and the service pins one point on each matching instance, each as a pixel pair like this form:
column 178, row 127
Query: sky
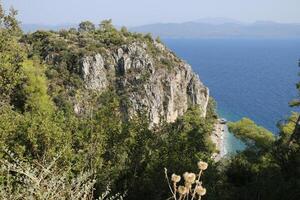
column 139, row 12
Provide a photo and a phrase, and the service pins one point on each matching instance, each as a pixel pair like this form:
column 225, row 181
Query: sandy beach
column 217, row 137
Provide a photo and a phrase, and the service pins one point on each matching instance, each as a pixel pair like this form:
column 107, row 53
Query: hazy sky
column 137, row 12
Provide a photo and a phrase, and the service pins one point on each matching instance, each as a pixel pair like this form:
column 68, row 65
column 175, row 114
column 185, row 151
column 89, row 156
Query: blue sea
column 252, row 78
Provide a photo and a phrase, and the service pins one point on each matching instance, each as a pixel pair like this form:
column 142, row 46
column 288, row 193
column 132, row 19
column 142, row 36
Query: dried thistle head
column 201, row 191
column 182, row 190
column 175, row 178
column 202, row 165
column 192, row 184
column 189, row 177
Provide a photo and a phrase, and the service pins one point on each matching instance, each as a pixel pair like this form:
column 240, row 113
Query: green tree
column 251, row 134
column 86, row 26
column 11, row 55
column 106, row 25
column 35, row 88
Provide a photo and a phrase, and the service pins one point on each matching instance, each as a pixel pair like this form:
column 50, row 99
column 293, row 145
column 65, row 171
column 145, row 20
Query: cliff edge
column 147, row 76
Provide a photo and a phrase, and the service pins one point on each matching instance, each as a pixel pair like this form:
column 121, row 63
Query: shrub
column 33, row 180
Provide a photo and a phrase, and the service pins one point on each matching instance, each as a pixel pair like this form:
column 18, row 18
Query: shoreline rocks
column 218, row 138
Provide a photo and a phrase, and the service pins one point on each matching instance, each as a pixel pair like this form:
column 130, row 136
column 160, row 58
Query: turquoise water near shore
column 231, row 143
column 252, row 78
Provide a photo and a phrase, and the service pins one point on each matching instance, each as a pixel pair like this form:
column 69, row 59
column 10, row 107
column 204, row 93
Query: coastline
column 218, row 138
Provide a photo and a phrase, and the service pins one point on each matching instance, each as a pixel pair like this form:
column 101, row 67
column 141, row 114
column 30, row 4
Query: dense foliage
column 39, row 80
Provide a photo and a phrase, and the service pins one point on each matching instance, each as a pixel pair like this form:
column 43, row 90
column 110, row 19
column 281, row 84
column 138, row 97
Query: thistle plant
column 192, row 186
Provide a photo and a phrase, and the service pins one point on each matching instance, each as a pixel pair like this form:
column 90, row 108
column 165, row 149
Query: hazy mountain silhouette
column 202, row 28
column 221, row 27
column 218, row 21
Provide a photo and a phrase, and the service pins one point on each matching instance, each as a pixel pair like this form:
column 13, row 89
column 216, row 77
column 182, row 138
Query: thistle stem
column 199, row 176
column 166, row 174
column 174, row 188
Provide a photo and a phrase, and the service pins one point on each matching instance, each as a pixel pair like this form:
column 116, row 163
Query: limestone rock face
column 94, row 73
column 158, row 84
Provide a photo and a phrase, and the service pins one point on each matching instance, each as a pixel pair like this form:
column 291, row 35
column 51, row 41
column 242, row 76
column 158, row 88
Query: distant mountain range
column 203, row 28
column 218, row 21
column 208, row 29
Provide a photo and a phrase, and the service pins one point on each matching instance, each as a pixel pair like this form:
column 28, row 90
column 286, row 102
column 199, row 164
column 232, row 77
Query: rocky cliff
column 162, row 85
column 146, row 75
